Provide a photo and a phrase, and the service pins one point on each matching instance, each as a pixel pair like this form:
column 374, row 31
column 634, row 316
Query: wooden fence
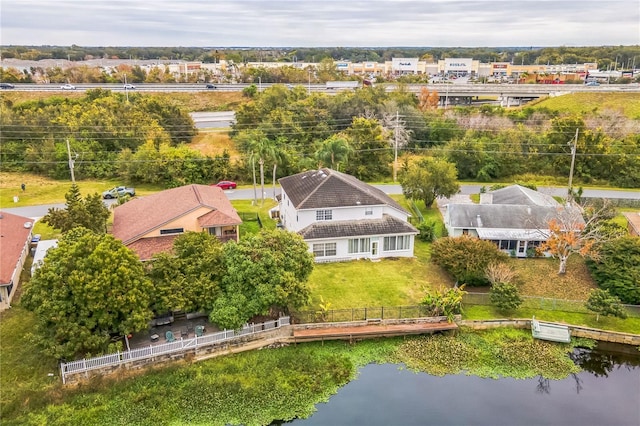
column 112, row 360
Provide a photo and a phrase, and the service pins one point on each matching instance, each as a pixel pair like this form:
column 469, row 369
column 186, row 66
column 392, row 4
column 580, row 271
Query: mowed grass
column 43, row 190
column 363, row 283
column 24, row 369
column 539, row 277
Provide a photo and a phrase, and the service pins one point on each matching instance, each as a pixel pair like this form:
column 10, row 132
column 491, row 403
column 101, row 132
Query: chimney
column 486, row 198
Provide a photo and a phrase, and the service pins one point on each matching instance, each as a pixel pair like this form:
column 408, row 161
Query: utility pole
column 573, row 162
column 395, row 154
column 71, row 161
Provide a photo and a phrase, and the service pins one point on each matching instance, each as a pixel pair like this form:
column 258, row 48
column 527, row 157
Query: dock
column 550, row 331
column 370, row 331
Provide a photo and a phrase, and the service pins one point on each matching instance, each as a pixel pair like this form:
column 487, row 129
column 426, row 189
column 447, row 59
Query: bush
column 505, row 296
column 466, row 258
column 617, row 269
column 603, row 303
column 427, row 231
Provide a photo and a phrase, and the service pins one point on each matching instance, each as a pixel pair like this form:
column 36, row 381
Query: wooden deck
column 369, row 331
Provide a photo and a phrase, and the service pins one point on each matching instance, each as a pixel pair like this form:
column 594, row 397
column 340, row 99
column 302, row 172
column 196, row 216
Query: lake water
column 606, row 395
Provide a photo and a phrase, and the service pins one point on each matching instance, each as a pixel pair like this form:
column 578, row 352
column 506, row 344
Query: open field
column 588, row 103
column 43, row 190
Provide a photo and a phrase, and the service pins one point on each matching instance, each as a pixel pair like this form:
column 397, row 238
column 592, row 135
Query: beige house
column 15, row 237
column 148, row 225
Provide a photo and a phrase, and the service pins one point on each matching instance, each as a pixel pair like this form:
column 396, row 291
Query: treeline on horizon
column 620, row 57
column 146, row 139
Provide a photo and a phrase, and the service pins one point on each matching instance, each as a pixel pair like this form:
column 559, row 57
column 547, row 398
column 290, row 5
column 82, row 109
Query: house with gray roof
column 515, row 218
column 342, row 218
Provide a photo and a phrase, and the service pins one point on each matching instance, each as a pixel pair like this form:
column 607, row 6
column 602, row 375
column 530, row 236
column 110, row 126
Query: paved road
column 36, row 212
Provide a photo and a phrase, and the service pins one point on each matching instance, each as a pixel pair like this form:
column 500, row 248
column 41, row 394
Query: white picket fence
column 88, row 364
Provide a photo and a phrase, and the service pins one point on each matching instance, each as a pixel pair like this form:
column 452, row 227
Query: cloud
column 320, row 23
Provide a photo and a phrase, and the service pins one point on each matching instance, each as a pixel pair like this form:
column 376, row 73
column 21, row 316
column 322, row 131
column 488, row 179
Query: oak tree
column 90, row 289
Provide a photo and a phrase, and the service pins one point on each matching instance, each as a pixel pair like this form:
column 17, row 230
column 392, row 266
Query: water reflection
column 607, row 392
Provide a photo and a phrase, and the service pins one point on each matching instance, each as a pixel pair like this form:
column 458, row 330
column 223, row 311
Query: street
column 36, row 212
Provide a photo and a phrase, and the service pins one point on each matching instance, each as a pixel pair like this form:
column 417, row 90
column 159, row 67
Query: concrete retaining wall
column 370, row 321
column 576, row 331
column 240, row 344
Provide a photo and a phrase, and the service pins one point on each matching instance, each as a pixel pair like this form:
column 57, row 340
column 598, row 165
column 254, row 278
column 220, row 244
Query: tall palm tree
column 334, row 150
column 262, row 148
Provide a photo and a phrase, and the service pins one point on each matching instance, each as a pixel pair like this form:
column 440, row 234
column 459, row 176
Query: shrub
column 427, row 231
column 505, row 296
column 617, row 269
column 603, row 303
column 466, row 258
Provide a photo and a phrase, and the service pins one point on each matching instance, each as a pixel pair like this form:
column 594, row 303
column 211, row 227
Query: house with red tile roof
column 15, row 237
column 148, row 225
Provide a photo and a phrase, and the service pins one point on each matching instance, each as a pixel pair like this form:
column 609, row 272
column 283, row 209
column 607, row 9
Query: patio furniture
column 154, row 337
column 169, row 336
column 184, row 331
column 199, row 330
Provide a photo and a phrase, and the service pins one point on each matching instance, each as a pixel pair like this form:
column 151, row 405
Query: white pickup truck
column 118, row 191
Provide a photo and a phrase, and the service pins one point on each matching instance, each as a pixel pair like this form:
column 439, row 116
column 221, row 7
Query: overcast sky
column 309, row 23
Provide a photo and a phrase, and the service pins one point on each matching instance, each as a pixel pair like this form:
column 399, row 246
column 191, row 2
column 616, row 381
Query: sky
column 320, row 23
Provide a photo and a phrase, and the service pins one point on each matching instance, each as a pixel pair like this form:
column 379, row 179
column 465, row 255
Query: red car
column 226, row 184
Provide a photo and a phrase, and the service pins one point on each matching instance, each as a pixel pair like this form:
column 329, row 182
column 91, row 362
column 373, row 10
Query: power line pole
column 71, row 161
column 573, row 162
column 395, row 154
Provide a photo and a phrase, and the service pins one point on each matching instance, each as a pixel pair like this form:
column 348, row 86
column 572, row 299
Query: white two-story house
column 342, row 218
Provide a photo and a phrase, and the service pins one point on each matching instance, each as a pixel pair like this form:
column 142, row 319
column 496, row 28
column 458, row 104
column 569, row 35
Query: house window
column 368, row 211
column 171, row 231
column 324, row 249
column 508, row 244
column 324, row 214
column 359, row 245
column 401, row 242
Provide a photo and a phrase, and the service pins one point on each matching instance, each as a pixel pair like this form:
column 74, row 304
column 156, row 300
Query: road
column 453, row 89
column 36, row 212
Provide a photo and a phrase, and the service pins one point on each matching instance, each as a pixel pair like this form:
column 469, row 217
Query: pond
column 607, row 392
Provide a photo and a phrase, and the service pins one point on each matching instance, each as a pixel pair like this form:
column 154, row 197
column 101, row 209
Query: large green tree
column 617, row 268
column 90, row 289
column 189, row 278
column 264, row 273
column 429, row 179
column 90, row 212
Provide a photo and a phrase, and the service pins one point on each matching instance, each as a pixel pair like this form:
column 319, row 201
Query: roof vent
column 479, row 221
column 28, row 225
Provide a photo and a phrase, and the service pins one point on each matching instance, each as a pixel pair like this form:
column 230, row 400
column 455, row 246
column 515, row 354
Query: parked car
column 226, row 184
column 118, row 191
column 7, row 86
column 211, row 86
column 129, row 87
column 68, row 87
column 592, row 83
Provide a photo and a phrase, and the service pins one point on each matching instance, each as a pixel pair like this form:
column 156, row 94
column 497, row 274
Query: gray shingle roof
column 326, row 188
column 519, row 195
column 388, row 225
column 500, row 216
